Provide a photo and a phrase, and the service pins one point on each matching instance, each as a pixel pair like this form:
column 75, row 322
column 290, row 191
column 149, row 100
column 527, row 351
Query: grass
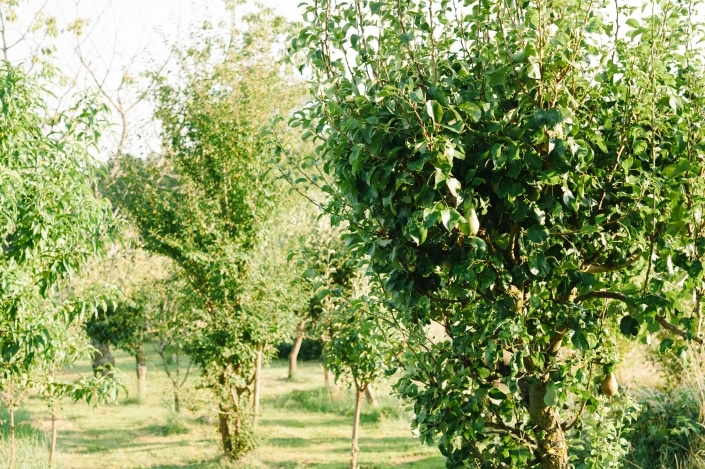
column 300, row 427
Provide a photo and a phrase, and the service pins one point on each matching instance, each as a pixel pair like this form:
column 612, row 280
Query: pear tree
column 528, row 176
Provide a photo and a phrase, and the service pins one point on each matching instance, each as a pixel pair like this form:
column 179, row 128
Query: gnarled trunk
column 552, row 450
column 103, row 360
column 224, row 429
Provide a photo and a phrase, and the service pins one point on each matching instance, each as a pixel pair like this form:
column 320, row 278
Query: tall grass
column 31, row 444
column 670, row 430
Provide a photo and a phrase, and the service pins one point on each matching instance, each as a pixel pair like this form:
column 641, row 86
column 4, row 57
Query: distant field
column 300, row 428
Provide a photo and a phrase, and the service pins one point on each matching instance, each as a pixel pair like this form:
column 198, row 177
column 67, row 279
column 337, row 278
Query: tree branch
column 609, row 295
column 676, row 330
column 601, row 269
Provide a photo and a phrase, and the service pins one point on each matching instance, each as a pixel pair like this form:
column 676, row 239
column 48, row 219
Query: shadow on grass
column 420, row 462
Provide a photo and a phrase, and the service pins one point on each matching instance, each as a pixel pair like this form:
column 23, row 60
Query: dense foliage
column 528, row 176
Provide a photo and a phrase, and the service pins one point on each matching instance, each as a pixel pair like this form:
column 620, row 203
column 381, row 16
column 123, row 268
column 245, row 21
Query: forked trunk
column 552, row 450
column 294, row 353
column 356, row 427
column 224, row 429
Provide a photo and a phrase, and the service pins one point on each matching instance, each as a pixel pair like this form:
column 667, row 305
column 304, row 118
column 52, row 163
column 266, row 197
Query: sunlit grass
column 300, row 427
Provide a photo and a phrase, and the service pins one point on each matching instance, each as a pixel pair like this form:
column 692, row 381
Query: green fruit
column 464, row 228
column 609, row 386
column 474, row 222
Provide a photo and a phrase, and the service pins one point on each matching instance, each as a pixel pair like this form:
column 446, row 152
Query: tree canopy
column 525, row 174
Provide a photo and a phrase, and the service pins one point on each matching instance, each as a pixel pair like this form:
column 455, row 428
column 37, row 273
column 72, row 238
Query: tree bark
column 370, row 395
column 257, row 386
column 52, row 447
column 294, row 353
column 103, row 360
column 328, row 377
column 141, row 368
column 361, row 391
column 552, row 449
column 224, row 430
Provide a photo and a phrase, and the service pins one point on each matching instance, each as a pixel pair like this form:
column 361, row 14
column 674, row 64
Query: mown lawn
column 300, row 427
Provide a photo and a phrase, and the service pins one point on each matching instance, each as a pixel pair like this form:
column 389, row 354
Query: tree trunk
column 370, row 395
column 177, row 403
column 224, row 430
column 328, row 377
column 103, row 360
column 52, row 447
column 257, row 386
column 552, row 449
column 141, row 362
column 294, row 353
column 356, row 427
column 11, row 464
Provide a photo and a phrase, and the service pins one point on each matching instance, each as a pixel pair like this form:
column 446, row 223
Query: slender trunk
column 257, row 386
column 11, row 464
column 294, row 353
column 328, row 377
column 552, row 450
column 177, row 403
column 356, row 427
column 52, row 448
column 141, row 368
column 370, row 395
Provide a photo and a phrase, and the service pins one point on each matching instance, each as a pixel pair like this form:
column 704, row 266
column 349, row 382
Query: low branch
column 605, row 268
column 575, row 420
column 520, row 435
column 609, row 295
column 677, row 330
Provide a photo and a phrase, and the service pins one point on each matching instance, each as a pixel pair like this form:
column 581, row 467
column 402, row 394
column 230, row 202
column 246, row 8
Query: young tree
column 51, row 223
column 522, row 173
column 210, row 205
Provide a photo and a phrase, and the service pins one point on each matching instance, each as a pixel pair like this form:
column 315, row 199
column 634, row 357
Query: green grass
column 300, row 427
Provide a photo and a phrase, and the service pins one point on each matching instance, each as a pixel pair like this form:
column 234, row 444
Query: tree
column 209, row 204
column 362, row 342
column 521, row 173
column 51, row 223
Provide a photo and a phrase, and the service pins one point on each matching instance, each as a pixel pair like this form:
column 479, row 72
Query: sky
column 122, row 37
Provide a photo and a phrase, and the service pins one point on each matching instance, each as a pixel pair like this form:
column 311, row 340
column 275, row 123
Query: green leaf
column 472, row 110
column 666, row 344
column 538, row 265
column 629, row 326
column 580, row 341
column 537, row 234
column 435, row 111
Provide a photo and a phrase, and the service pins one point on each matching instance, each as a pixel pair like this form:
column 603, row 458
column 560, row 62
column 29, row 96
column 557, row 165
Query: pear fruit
column 473, row 221
column 609, row 386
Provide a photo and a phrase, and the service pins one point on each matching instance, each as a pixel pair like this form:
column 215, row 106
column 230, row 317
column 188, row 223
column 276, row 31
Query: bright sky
column 124, row 36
